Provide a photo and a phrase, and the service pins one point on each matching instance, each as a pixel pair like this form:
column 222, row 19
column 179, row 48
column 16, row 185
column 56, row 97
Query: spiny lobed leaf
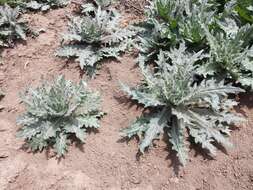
column 179, row 104
column 94, row 36
column 217, row 27
column 57, row 111
column 11, row 27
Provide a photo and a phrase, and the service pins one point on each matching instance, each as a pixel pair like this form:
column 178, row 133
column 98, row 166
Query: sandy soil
column 104, row 162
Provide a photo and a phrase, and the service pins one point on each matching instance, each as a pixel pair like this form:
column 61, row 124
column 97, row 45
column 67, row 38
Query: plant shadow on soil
column 246, row 100
column 126, row 101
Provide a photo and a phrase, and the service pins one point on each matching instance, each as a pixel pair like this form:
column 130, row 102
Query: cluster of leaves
column 223, row 29
column 244, row 9
column 11, row 26
column 57, row 111
column 178, row 103
column 12, row 3
column 45, row 5
column 95, row 35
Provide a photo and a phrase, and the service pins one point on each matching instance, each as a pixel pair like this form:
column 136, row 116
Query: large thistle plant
column 94, row 36
column 178, row 104
column 56, row 112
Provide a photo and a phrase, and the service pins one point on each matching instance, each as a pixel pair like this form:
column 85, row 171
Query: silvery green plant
column 168, row 22
column 180, row 107
column 216, row 27
column 57, row 113
column 11, row 26
column 45, row 5
column 95, row 36
column 231, row 54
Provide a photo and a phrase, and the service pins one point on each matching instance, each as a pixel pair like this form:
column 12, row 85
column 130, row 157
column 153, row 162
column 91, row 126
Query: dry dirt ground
column 104, row 162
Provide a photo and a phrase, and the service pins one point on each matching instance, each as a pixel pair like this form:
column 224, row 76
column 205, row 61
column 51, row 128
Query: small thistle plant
column 95, row 36
column 56, row 112
column 11, row 26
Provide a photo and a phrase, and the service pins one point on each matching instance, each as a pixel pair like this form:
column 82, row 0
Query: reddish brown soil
column 104, row 162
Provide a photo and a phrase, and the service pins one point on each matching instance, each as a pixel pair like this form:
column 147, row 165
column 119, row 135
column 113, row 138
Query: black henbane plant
column 95, row 36
column 178, row 105
column 57, row 111
column 11, row 27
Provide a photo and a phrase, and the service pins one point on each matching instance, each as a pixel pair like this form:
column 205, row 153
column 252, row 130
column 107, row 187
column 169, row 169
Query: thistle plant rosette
column 230, row 53
column 95, row 36
column 56, row 112
column 11, row 26
column 169, row 22
column 179, row 105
